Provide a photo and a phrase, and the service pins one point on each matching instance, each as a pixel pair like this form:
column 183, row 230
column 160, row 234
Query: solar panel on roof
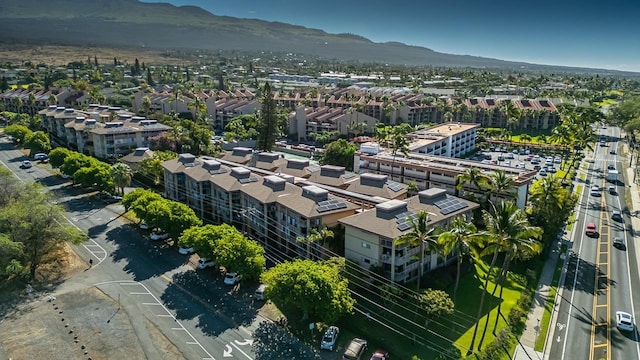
column 404, row 226
column 394, row 186
column 449, row 205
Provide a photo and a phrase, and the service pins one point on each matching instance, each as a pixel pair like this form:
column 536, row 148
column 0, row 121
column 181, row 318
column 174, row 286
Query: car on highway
column 232, row 278
column 186, row 250
column 612, row 151
column 603, row 143
column 380, row 355
column 26, row 164
column 624, row 321
column 590, row 229
column 355, row 349
column 611, row 167
column 618, row 242
column 612, row 190
column 204, row 263
column 616, row 215
column 595, row 190
column 157, row 235
column 329, row 338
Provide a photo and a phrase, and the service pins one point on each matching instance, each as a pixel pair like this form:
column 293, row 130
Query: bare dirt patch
column 62, row 55
column 78, row 325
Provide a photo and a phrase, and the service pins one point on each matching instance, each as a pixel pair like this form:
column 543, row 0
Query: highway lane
column 194, row 310
column 597, row 279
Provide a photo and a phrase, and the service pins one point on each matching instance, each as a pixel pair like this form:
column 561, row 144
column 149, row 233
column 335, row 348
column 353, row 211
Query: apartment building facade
column 270, row 208
column 448, row 139
column 371, row 237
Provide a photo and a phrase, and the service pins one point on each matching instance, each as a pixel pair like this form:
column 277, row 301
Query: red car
column 590, row 230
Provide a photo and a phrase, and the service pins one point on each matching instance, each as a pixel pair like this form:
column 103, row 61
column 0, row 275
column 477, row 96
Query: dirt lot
column 62, row 55
column 84, row 324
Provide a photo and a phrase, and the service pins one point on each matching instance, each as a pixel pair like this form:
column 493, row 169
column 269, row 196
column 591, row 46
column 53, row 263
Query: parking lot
column 521, row 157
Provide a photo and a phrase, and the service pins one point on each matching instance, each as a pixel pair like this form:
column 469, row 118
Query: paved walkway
column 525, row 351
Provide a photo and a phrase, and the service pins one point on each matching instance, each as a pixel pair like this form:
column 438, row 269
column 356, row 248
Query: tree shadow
column 586, row 274
column 144, row 259
column 231, row 307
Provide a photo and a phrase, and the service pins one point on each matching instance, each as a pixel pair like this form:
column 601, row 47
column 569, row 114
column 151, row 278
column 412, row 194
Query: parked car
column 618, row 243
column 40, row 156
column 380, row 355
column 355, row 349
column 156, row 235
column 65, row 176
column 329, row 338
column 108, row 198
column 590, row 229
column 186, row 250
column 616, row 215
column 259, row 293
column 26, row 164
column 510, row 156
column 204, row 263
column 624, row 321
column 232, row 278
column 143, row 225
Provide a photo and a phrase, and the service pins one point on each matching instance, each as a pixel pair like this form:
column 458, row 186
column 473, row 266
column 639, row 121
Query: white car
column 543, row 172
column 624, row 321
column 186, row 250
column 595, row 190
column 143, row 225
column 26, row 164
column 40, row 156
column 329, row 339
column 557, row 160
column 232, row 278
column 204, row 263
column 159, row 236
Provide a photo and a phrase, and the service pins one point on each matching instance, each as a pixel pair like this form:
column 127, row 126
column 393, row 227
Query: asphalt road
column 203, row 317
column 599, row 280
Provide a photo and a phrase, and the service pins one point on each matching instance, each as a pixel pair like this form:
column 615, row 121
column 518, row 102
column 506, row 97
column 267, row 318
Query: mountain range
column 133, row 24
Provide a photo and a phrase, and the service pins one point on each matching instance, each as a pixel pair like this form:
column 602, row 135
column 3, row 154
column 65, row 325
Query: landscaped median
column 549, row 302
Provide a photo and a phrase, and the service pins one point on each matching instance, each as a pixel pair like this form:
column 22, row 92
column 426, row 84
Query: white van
column 259, row 294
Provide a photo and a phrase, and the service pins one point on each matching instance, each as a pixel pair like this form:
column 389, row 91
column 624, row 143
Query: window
column 366, row 245
column 366, row 261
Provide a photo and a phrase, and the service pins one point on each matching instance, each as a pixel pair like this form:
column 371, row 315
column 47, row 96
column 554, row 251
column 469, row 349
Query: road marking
column 164, row 315
column 178, row 329
column 138, row 293
column 243, row 353
column 193, row 343
column 156, row 304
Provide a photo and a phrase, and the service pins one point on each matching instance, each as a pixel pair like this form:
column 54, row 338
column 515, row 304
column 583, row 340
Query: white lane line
column 155, row 304
column 178, row 329
column 164, row 315
column 138, row 293
column 193, row 343
column 243, row 353
column 210, row 357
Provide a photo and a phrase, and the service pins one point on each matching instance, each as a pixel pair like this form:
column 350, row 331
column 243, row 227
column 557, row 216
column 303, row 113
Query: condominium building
column 100, row 131
column 270, row 208
column 428, row 171
column 371, row 237
column 448, row 139
column 308, row 120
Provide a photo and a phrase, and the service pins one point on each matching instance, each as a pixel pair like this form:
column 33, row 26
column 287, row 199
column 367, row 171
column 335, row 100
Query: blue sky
column 584, row 33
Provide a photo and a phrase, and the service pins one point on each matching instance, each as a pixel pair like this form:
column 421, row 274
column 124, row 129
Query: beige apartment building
column 270, row 208
column 371, row 237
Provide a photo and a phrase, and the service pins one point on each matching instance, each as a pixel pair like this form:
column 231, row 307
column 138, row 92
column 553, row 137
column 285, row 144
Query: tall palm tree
column 457, row 240
column 511, row 113
column 399, row 143
column 501, row 184
column 474, row 177
column 146, row 104
column 122, row 175
column 511, row 233
column 315, row 237
column 420, row 235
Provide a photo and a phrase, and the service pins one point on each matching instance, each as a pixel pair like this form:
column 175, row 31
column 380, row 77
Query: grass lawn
column 548, row 305
column 451, row 333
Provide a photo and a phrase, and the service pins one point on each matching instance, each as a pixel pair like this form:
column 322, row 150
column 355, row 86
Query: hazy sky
column 585, row 33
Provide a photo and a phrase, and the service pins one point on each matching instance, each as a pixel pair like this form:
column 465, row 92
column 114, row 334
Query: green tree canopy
column 339, row 153
column 316, row 289
column 19, row 132
column 75, row 161
column 138, row 201
column 238, row 253
column 38, row 142
column 152, row 167
column 97, row 176
column 58, row 155
column 435, row 304
column 122, row 175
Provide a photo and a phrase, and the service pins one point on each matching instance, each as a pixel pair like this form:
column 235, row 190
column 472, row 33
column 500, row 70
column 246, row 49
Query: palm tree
column 457, row 239
column 511, row 113
column 420, row 235
column 447, row 117
column 501, row 184
column 122, row 175
column 53, row 100
column 398, row 143
column 472, row 176
column 315, row 237
column 512, row 234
